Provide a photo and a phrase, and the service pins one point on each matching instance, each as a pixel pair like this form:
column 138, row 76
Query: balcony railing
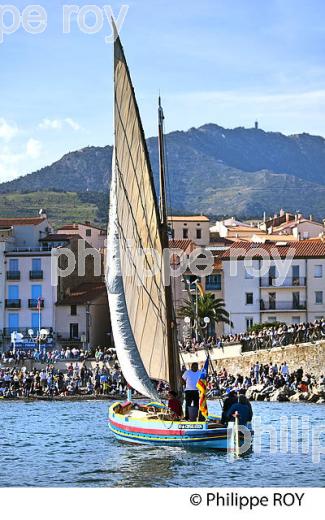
column 13, row 275
column 12, row 303
column 38, row 249
column 34, row 302
column 36, row 275
column 213, row 286
column 282, row 306
column 294, row 281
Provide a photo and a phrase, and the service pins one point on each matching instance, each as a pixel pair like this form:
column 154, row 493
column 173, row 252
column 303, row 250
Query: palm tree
column 208, row 307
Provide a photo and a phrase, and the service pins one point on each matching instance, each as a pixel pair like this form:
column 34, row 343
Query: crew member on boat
column 190, row 379
column 242, row 409
column 228, row 402
column 175, row 405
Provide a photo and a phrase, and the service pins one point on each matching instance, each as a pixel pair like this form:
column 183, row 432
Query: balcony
column 33, row 303
column 295, row 281
column 13, row 275
column 282, row 306
column 13, row 303
column 36, row 275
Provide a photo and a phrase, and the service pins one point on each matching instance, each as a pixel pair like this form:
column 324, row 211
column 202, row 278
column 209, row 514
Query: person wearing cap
column 228, row 402
column 246, row 401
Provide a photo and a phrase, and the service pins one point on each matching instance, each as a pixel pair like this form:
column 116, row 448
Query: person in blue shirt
column 243, row 409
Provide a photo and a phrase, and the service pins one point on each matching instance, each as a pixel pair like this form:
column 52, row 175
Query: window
column 295, row 275
column 213, row 282
column 318, row 271
column 272, row 300
column 199, row 233
column 13, row 292
column 271, row 319
column 13, row 264
column 319, row 297
column 74, row 331
column 73, row 310
column 295, row 300
column 88, row 232
column 248, row 275
column 13, row 321
column 36, row 292
column 249, row 323
column 249, row 298
column 36, row 264
column 185, row 233
column 295, row 319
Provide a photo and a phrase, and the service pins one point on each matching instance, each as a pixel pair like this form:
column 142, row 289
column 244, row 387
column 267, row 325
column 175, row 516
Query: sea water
column 69, row 444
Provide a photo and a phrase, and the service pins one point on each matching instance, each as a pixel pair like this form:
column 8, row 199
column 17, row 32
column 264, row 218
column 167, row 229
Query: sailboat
column 140, row 300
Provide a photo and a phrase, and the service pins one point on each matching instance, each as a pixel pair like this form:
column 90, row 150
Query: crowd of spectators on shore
column 77, row 379
column 106, row 378
column 266, row 375
column 266, row 338
column 15, row 355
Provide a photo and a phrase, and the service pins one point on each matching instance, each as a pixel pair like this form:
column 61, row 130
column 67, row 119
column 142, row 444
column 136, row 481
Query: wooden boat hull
column 184, row 434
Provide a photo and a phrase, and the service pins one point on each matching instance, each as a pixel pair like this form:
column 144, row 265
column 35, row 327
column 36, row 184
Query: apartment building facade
column 26, row 296
column 94, row 235
column 32, row 297
column 192, row 227
column 274, row 282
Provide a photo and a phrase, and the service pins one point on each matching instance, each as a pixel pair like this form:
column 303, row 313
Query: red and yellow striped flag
column 202, row 386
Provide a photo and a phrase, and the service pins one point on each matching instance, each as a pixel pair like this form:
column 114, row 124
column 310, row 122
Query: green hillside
column 62, row 208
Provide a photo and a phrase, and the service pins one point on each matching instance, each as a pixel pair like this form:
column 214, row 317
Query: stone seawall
column 309, row 356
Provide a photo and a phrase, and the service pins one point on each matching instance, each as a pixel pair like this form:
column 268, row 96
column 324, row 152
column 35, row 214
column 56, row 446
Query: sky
column 228, row 62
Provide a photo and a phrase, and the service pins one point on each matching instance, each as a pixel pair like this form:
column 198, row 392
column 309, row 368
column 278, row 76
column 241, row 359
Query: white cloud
column 8, row 158
column 74, row 125
column 33, row 148
column 8, row 163
column 7, row 132
column 58, row 124
column 50, row 124
column 15, row 160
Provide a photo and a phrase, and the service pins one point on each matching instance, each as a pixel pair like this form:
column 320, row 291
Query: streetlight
column 189, row 290
column 187, row 320
column 42, row 336
column 197, row 323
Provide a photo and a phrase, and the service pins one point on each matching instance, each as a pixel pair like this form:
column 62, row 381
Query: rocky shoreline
column 255, row 393
column 261, row 392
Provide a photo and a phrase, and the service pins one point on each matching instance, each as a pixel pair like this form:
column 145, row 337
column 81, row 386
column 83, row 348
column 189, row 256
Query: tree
column 209, row 307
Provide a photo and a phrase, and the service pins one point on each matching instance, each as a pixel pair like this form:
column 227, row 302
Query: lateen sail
column 137, row 302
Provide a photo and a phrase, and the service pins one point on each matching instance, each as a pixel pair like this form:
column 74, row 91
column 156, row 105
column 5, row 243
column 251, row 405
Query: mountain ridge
column 211, row 169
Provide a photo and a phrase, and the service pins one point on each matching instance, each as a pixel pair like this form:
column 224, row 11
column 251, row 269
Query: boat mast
column 162, row 171
column 173, row 360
